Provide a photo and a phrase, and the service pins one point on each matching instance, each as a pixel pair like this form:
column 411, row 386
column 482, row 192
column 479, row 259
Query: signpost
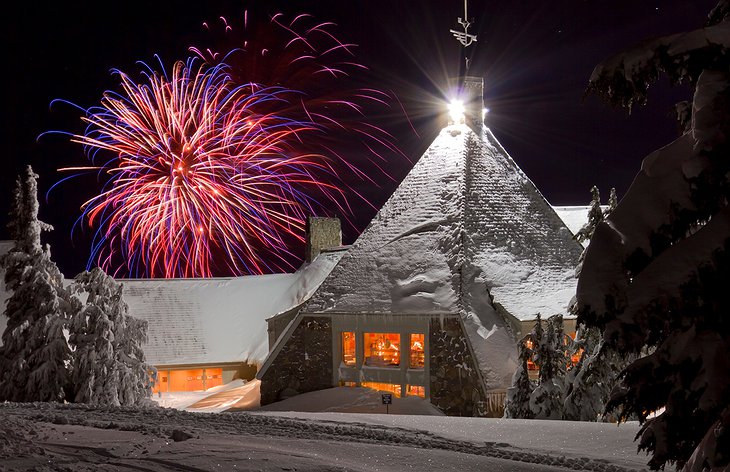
column 387, row 399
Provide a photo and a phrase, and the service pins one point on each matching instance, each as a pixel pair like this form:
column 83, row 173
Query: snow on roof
column 217, row 320
column 465, row 224
column 574, row 217
column 464, row 203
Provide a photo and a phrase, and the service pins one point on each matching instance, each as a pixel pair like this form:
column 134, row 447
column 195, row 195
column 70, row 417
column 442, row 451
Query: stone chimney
column 473, row 96
column 322, row 233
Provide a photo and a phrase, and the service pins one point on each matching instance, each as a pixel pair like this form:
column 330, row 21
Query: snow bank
column 74, row 437
column 349, row 400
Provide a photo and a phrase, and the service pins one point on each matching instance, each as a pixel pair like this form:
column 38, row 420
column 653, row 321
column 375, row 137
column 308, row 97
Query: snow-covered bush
column 34, row 357
column 656, row 273
column 590, row 381
column 109, row 366
column 546, row 348
column 546, row 400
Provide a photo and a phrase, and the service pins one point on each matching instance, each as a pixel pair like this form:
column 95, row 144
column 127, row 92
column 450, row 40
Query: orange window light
column 348, row 348
column 383, row 387
column 416, row 391
column 382, row 349
column 417, row 351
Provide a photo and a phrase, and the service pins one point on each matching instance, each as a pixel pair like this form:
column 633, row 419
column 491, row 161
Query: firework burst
column 213, row 167
column 200, row 167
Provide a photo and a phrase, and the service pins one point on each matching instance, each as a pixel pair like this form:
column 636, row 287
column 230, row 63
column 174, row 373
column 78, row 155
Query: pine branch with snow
column 655, row 275
column 590, row 382
column 595, row 216
column 612, row 203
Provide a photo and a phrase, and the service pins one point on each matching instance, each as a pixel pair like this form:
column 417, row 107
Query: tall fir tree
column 109, row 364
column 34, row 357
column 655, row 276
column 91, row 334
column 136, row 376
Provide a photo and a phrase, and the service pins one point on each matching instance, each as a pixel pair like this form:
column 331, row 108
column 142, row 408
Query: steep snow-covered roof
column 196, row 321
column 465, row 233
column 464, row 205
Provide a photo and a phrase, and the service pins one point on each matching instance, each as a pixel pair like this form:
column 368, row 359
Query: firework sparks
column 305, row 54
column 201, row 167
column 213, row 168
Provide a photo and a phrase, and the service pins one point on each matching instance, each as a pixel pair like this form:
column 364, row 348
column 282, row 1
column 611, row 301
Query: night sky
column 536, row 58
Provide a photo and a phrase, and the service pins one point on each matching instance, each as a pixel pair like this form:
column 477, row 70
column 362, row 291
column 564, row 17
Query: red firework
column 214, row 167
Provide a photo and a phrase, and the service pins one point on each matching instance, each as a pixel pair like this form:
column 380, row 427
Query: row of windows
column 383, row 349
column 188, row 380
column 395, row 389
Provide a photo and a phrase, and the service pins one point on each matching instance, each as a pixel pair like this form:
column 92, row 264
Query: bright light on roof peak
column 456, row 111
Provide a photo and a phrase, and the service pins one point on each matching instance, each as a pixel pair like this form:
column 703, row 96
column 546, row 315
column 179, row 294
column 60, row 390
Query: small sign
column 387, row 398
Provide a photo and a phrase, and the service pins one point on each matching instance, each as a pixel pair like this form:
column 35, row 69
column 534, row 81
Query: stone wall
column 276, row 325
column 322, row 233
column 304, row 363
column 455, row 384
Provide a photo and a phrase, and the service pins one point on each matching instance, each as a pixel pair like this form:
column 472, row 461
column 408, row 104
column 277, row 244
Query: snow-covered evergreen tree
column 136, row 377
column 612, row 204
column 517, row 400
column 655, row 275
column 595, row 216
column 95, row 372
column 34, row 357
column 546, row 400
column 590, row 382
column 109, row 367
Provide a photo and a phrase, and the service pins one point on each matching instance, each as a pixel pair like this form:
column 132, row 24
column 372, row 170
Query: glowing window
column 382, row 349
column 383, row 387
column 416, row 391
column 190, row 380
column 348, row 348
column 575, row 358
column 530, row 365
column 417, row 352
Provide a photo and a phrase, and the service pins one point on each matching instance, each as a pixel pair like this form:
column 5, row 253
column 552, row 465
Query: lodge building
column 430, row 300
column 434, row 294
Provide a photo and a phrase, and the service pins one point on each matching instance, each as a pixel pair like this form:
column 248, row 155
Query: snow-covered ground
column 45, row 436
column 331, row 430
